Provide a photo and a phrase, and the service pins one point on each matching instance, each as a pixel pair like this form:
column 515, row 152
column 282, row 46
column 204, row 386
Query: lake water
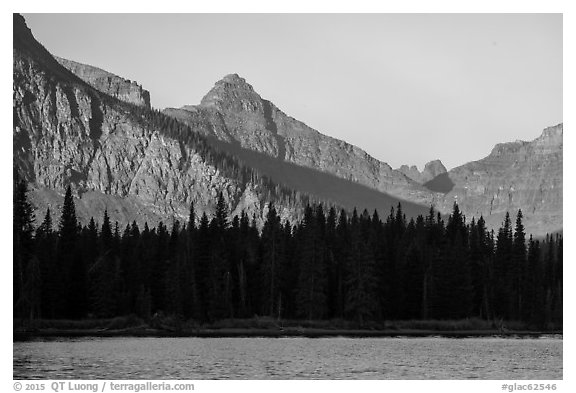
column 289, row 358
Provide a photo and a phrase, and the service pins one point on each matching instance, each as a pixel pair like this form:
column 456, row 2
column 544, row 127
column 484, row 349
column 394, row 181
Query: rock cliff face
column 517, row 175
column 108, row 83
column 83, row 126
column 520, row 175
column 430, row 171
column 233, row 112
column 67, row 132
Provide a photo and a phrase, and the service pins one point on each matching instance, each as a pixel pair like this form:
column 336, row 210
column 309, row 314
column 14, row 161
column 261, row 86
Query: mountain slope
column 72, row 126
column 320, row 185
column 516, row 175
column 108, row 83
column 234, row 113
column 138, row 163
column 250, row 127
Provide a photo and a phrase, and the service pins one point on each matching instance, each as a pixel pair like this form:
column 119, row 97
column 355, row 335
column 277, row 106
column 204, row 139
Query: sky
column 407, row 88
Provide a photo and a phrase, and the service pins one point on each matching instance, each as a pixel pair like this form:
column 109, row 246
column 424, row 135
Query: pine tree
column 189, row 284
column 203, row 276
column 518, row 267
column 535, row 292
column 173, row 275
column 310, row 293
column 45, row 249
column 502, row 260
column 453, row 286
column 73, row 280
column 23, row 261
column 101, row 273
column 272, row 260
column 220, row 271
column 360, row 273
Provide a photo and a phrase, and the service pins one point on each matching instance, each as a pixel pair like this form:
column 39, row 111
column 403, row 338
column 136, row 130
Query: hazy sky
column 407, row 88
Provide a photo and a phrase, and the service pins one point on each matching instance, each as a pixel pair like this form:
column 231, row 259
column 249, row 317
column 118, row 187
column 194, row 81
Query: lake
column 289, row 358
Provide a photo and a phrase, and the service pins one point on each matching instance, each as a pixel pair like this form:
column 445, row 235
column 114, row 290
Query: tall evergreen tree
column 503, row 299
column 45, row 249
column 203, row 276
column 310, row 293
column 518, row 267
column 73, row 287
column 23, row 261
column 272, row 261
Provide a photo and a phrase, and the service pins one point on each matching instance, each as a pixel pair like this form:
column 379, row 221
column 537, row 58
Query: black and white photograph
column 286, row 196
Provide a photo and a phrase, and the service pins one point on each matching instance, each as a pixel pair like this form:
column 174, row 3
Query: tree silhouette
column 328, row 266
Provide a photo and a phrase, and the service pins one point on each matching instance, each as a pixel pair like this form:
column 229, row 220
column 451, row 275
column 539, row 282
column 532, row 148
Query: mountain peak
column 230, row 90
column 552, row 135
column 435, row 167
column 234, row 81
column 430, row 171
column 233, row 78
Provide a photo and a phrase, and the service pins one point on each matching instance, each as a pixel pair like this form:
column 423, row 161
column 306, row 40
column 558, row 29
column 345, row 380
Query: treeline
column 331, row 265
column 228, row 165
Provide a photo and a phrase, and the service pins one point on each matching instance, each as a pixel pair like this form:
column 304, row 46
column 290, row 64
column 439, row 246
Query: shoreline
column 24, row 335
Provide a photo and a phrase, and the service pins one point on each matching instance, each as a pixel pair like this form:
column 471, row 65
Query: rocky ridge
column 67, row 132
column 69, row 129
column 233, row 112
column 516, row 175
column 431, row 170
column 113, row 85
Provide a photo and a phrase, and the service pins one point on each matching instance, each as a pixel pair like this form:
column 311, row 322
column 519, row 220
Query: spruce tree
column 518, row 267
column 221, row 285
column 272, row 254
column 73, row 287
column 23, row 236
column 45, row 249
column 503, row 280
column 310, row 293
column 203, row 276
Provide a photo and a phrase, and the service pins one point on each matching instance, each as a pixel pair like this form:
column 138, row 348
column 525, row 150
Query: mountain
column 431, row 170
column 523, row 175
column 76, row 124
column 236, row 118
column 108, row 83
column 248, row 126
column 233, row 112
column 139, row 164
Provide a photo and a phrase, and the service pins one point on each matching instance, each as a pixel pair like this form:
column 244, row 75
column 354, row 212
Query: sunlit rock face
column 516, row 175
column 234, row 113
column 68, row 132
column 113, row 85
column 76, row 124
column 519, row 175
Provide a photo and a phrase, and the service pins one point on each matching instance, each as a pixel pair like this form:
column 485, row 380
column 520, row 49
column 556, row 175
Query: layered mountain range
column 117, row 155
column 80, row 125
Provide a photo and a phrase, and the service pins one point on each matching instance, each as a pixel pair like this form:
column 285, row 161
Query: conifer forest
column 353, row 266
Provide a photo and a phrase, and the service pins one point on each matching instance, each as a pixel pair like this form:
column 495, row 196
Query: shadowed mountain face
column 117, row 155
column 250, row 127
column 441, row 183
column 72, row 126
column 251, row 122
